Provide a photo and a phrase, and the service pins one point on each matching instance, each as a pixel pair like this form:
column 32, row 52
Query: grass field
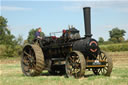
column 11, row 74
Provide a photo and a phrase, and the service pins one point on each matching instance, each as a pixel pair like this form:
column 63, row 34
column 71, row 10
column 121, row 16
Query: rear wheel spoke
column 77, row 62
column 31, row 66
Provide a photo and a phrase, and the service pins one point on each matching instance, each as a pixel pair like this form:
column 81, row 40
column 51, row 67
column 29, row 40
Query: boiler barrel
column 87, row 45
column 80, row 45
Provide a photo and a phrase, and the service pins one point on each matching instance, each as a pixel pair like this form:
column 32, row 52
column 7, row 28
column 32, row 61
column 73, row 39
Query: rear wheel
column 75, row 64
column 108, row 67
column 32, row 62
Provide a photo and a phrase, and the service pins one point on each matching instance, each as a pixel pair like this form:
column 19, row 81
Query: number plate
column 96, row 62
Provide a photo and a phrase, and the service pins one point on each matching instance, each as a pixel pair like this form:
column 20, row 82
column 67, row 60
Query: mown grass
column 11, row 74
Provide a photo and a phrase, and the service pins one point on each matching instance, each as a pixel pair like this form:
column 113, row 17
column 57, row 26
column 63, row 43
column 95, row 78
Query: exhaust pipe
column 87, row 21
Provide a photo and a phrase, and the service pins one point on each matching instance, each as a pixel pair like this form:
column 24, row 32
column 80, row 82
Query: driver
column 37, row 34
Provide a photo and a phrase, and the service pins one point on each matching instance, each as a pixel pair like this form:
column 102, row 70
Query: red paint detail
column 93, row 50
column 64, row 31
column 54, row 37
column 92, row 43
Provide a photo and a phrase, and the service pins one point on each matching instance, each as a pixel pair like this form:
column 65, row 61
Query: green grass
column 11, row 74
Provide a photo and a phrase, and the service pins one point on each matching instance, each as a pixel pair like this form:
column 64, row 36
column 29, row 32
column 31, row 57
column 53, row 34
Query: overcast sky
column 53, row 15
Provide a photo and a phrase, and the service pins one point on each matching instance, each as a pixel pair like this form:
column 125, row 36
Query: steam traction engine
column 69, row 54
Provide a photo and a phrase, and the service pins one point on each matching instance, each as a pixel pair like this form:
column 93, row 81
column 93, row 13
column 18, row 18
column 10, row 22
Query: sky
column 56, row 15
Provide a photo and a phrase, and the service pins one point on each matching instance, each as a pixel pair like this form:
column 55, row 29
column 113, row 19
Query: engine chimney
column 87, row 21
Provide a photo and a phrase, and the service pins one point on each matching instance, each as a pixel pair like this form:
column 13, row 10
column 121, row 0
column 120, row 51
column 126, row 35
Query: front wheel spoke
column 96, row 71
column 102, row 58
column 105, row 58
column 102, row 70
column 99, row 70
column 106, row 68
column 102, row 54
column 106, row 62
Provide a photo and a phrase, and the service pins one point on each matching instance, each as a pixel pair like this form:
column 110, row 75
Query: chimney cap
column 86, row 7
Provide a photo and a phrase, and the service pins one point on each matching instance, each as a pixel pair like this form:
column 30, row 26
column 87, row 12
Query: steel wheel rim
column 28, row 61
column 74, row 66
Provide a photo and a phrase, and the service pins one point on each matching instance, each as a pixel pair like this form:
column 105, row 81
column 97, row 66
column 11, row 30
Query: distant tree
column 31, row 35
column 113, row 39
column 19, row 40
column 5, row 35
column 101, row 40
column 121, row 39
column 3, row 25
column 8, row 40
column 3, row 22
column 116, row 35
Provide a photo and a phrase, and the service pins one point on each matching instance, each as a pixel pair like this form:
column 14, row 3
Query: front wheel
column 108, row 67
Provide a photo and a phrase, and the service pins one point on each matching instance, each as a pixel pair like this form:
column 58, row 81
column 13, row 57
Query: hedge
column 9, row 51
column 115, row 47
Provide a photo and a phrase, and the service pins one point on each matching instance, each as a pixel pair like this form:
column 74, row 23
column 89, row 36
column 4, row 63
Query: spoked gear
column 32, row 62
column 108, row 67
column 75, row 64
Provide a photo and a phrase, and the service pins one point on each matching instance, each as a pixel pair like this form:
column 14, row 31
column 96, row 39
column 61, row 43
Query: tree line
column 116, row 36
column 9, row 44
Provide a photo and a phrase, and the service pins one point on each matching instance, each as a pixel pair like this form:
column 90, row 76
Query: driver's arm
column 39, row 37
